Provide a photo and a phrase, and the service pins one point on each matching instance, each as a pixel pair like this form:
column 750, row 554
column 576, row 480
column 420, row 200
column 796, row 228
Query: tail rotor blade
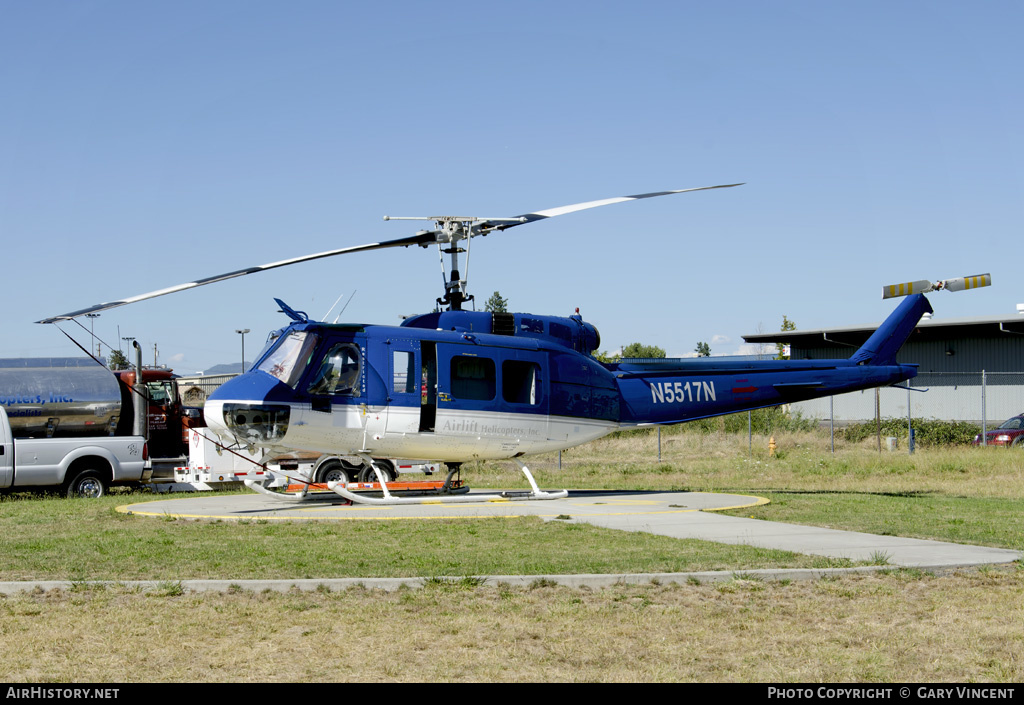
column 906, row 289
column 964, row 283
column 924, row 286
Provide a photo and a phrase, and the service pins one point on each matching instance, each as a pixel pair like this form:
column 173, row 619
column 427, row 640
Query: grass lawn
column 893, row 626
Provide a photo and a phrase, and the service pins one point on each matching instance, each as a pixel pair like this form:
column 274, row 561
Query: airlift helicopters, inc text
column 922, row 693
column 472, row 427
column 455, row 385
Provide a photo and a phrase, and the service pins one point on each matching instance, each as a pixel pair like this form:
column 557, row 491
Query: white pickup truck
column 80, row 467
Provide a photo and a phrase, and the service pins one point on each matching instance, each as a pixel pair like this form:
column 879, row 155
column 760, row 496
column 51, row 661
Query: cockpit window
column 339, row 371
column 288, row 360
column 271, row 341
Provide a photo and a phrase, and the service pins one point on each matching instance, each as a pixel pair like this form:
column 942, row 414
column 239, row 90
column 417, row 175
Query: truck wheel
column 332, row 471
column 386, row 468
column 87, row 483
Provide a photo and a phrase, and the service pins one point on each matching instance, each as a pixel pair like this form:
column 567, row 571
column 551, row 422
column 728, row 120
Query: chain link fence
column 983, row 398
column 195, row 390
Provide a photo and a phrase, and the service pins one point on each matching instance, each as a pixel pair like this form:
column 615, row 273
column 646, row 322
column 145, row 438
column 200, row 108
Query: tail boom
column 673, row 392
column 675, row 398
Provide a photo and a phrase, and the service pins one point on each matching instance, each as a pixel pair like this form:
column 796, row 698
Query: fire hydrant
column 771, row 447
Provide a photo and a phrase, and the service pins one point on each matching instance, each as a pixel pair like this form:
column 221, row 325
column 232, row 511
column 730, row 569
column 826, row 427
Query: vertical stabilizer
column 884, row 343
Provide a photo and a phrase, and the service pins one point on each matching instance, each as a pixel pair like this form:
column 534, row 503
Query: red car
column 1009, row 433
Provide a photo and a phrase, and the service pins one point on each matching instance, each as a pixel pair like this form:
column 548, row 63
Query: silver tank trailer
column 47, row 397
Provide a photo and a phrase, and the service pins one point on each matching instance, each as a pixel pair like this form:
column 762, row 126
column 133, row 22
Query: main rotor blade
column 422, row 238
column 419, row 239
column 563, row 210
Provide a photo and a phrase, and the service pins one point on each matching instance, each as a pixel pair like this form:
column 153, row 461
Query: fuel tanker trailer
column 61, row 397
column 68, row 397
column 63, row 424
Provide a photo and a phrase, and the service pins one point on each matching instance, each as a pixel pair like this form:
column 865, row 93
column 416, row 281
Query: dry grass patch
column 896, row 627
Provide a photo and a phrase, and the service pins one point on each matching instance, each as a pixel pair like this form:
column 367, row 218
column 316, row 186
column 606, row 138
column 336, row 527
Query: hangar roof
column 926, row 330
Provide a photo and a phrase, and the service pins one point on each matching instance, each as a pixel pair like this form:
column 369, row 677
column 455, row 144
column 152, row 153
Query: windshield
column 1016, row 423
column 271, row 341
column 160, row 392
column 289, row 359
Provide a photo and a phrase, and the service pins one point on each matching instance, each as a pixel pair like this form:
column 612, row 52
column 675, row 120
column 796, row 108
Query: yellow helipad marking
column 758, row 501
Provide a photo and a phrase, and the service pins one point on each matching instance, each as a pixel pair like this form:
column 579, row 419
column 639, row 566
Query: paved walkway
column 684, row 515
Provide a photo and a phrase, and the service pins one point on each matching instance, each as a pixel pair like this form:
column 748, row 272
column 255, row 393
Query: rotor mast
column 450, row 230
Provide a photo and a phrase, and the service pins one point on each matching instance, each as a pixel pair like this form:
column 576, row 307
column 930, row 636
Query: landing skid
column 441, row 496
column 390, row 499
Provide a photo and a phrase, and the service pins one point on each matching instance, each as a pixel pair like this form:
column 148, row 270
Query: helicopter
column 457, row 385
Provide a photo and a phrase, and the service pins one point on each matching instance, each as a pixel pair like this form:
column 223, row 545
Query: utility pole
column 129, row 340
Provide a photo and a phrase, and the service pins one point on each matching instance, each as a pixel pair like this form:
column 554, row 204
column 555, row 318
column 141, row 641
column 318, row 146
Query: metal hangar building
column 972, row 369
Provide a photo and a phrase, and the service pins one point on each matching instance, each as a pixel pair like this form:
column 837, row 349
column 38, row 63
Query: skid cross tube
column 300, row 496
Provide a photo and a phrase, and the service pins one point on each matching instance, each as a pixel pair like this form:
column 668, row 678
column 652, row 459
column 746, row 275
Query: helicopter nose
column 244, row 408
column 256, row 424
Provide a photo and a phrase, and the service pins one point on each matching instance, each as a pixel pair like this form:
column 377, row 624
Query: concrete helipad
column 684, row 515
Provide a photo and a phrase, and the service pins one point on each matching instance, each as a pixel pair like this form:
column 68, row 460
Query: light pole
column 242, row 332
column 92, row 332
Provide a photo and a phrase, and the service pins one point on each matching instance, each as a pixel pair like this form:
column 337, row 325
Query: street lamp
column 242, row 332
column 92, row 332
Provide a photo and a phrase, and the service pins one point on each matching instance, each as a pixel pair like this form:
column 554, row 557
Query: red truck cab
column 168, row 420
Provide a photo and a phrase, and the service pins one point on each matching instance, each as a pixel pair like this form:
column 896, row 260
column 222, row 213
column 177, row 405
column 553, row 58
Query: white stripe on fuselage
column 392, row 431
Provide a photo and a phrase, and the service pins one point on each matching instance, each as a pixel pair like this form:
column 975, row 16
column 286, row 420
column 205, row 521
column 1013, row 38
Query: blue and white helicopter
column 456, row 385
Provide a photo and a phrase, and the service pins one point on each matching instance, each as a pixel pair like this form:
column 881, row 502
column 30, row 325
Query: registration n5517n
column 669, row 392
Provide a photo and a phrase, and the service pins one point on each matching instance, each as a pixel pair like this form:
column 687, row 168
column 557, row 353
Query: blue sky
column 147, row 144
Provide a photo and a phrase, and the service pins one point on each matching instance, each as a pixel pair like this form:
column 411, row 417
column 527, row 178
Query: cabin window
column 531, row 325
column 563, row 333
column 339, row 371
column 473, row 378
column 289, row 359
column 404, row 368
column 519, row 381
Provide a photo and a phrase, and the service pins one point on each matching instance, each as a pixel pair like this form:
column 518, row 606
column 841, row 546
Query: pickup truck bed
column 77, row 466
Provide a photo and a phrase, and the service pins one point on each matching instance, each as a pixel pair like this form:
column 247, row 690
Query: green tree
column 496, row 304
column 602, row 356
column 703, row 349
column 641, row 350
column 787, row 325
column 117, row 360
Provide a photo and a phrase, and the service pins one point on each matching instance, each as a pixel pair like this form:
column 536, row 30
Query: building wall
column 982, row 381
column 1003, row 354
